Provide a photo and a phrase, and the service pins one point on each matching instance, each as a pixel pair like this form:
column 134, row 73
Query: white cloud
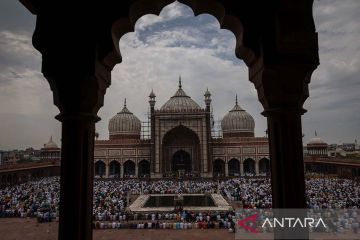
column 14, row 43
column 170, row 12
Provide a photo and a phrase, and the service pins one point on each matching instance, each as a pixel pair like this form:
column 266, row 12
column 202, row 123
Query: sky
column 178, row 43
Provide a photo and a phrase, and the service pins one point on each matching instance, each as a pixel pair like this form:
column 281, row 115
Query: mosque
column 181, row 142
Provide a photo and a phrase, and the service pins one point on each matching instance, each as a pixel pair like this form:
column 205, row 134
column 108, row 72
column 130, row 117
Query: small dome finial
column 207, row 93
column 50, row 139
column 315, row 133
column 180, row 82
column 125, row 102
column 152, row 94
column 236, row 101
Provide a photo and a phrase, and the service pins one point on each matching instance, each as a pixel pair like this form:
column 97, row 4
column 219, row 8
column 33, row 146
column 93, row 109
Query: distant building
column 11, row 157
column 348, row 147
column 50, row 151
column 2, row 153
column 332, row 147
column 317, row 147
column 30, row 154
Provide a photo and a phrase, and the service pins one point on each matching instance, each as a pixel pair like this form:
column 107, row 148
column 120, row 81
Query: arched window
column 264, row 166
column 129, row 168
column 114, row 169
column 100, row 168
column 219, row 168
column 234, row 167
column 144, row 168
column 249, row 166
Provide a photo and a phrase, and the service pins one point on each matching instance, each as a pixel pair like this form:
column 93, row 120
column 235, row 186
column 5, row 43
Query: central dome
column 180, row 102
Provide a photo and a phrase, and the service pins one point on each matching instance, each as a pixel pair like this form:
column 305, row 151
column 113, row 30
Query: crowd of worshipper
column 184, row 175
column 31, row 199
column 40, row 198
column 181, row 219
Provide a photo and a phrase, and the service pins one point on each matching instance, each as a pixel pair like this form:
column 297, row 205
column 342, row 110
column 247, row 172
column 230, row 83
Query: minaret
column 209, row 125
column 207, row 99
column 152, row 102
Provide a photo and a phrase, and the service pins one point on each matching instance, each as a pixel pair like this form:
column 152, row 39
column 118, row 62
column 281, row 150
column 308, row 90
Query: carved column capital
column 79, row 95
column 282, row 86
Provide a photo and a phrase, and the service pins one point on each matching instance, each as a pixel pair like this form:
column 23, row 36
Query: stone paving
column 29, row 229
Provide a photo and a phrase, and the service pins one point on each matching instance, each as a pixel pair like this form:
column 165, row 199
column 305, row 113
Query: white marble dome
column 50, row 144
column 237, row 120
column 180, row 102
column 124, row 123
column 316, row 140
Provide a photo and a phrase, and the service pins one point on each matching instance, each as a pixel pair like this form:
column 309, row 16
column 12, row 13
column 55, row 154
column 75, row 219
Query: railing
column 332, row 160
column 16, row 166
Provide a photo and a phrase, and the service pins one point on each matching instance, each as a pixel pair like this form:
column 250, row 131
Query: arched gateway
column 181, row 150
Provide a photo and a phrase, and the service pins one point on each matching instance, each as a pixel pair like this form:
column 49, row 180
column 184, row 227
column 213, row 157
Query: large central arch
column 181, row 150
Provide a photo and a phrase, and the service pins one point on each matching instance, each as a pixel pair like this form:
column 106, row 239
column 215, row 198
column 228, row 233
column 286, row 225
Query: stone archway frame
column 280, row 51
column 221, row 11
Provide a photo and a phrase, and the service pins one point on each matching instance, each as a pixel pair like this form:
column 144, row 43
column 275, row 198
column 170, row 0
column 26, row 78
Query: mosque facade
column 181, row 142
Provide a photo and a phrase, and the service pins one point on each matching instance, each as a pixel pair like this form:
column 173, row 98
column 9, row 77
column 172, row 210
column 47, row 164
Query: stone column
column 136, row 170
column 107, row 170
column 77, row 169
column 287, row 168
column 78, row 93
column 282, row 90
column 241, row 168
column 226, row 169
column 257, row 168
column 121, row 170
